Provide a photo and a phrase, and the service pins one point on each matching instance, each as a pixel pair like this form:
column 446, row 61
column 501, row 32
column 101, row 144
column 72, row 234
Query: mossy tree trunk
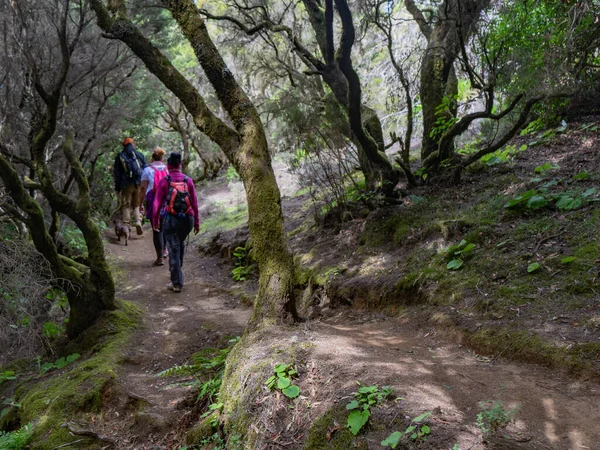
column 339, row 75
column 450, row 24
column 245, row 145
column 90, row 289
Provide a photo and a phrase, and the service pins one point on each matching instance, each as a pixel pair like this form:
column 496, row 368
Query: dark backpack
column 131, row 166
column 178, row 197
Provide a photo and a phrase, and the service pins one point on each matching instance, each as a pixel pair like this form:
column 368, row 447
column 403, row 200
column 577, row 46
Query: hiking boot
column 159, row 262
column 138, row 228
column 173, row 288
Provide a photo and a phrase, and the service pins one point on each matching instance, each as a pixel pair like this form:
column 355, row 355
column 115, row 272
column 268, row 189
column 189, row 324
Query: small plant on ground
column 360, row 408
column 494, row 416
column 206, row 369
column 7, row 375
column 458, row 253
column 58, row 364
column 7, row 405
column 16, row 440
column 282, row 380
column 416, row 432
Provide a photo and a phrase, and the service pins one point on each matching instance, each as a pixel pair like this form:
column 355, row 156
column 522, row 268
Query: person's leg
column 173, row 244
column 186, row 226
column 164, row 244
column 158, row 239
column 125, row 207
column 135, row 206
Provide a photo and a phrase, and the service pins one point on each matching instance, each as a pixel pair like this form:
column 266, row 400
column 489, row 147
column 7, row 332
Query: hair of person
column 158, row 154
column 174, row 159
column 127, row 140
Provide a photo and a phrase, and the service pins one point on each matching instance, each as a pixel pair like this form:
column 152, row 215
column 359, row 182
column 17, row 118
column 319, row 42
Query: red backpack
column 178, row 197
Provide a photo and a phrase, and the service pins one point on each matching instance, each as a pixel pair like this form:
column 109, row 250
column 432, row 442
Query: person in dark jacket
column 128, row 168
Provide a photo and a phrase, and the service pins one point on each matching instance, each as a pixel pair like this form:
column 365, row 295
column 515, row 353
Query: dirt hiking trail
column 427, row 371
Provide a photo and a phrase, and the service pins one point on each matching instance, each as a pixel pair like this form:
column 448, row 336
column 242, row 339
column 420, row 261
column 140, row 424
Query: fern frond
column 178, row 371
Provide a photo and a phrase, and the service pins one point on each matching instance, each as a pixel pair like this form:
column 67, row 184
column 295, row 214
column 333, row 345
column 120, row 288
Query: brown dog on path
column 121, row 230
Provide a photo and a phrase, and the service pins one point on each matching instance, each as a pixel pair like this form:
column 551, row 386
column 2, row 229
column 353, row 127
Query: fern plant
column 16, row 440
column 206, row 367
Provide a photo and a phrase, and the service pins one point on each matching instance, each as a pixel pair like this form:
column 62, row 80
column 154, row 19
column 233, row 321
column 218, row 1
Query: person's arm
column 159, row 196
column 194, row 200
column 143, row 187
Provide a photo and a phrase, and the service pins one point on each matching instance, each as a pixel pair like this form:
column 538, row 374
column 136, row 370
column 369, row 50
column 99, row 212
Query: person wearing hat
column 175, row 212
column 127, row 170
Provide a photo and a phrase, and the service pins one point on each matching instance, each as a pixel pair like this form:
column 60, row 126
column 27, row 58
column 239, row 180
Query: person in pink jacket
column 175, row 212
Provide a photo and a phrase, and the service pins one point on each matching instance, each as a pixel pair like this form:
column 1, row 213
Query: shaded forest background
column 446, row 136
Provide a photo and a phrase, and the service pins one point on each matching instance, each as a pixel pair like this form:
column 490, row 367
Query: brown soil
column 144, row 411
column 427, row 371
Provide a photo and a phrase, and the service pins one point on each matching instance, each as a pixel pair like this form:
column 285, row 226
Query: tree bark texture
column 454, row 20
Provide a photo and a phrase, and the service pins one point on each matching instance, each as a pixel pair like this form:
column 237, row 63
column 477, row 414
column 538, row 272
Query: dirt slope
column 144, row 411
column 428, row 372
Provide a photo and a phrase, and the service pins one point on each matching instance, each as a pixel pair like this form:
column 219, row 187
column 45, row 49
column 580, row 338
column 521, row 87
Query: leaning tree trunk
column 245, row 146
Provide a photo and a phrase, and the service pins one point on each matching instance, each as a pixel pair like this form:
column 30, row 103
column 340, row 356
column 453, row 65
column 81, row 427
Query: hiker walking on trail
column 151, row 177
column 175, row 212
column 127, row 171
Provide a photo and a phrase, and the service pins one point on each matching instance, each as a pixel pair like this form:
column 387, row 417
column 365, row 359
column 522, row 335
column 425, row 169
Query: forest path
column 427, row 371
column 147, row 412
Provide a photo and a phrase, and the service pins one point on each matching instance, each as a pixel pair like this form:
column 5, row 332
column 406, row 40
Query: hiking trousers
column 130, row 201
column 176, row 230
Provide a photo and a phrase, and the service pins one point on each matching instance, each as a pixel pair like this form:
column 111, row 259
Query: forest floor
column 426, row 369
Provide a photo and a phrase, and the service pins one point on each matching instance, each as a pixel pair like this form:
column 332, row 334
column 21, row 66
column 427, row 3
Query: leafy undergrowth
column 510, row 257
column 47, row 407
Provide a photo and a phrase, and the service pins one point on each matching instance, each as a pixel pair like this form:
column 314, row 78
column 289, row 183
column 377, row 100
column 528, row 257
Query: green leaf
column 455, row 264
column 568, row 259
column 568, row 203
column 537, row 202
column 291, row 391
column 283, row 382
column 352, row 405
column 589, row 192
column 523, row 147
column 410, row 429
column 582, row 176
column 392, row 440
column 279, row 368
column 420, row 417
column 467, row 249
column 47, row 366
column 357, row 419
column 533, row 267
column 270, row 381
column 368, row 389
column 72, row 357
column 425, row 429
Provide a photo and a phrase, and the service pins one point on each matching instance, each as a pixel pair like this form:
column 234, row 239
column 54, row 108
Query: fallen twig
column 68, row 444
column 469, row 377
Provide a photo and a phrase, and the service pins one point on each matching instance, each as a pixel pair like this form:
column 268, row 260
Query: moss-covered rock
column 50, row 402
